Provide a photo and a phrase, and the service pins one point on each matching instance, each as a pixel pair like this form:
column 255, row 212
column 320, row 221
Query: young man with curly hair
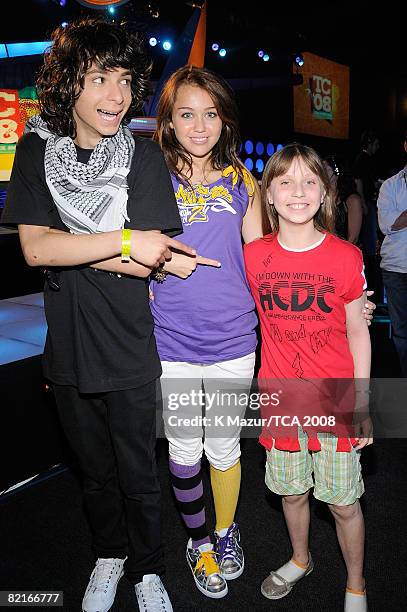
column 95, row 207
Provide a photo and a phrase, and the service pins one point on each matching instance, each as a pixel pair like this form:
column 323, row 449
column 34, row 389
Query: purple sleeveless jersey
column 210, row 316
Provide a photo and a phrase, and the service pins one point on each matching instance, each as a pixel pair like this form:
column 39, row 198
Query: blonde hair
column 278, row 164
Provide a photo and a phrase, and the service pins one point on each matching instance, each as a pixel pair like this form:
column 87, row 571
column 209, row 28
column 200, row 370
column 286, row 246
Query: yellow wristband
column 126, row 245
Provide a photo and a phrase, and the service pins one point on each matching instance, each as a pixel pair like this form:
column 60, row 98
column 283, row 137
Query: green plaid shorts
column 336, row 477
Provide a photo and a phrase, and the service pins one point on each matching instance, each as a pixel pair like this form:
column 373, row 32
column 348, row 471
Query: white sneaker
column 101, row 590
column 151, row 595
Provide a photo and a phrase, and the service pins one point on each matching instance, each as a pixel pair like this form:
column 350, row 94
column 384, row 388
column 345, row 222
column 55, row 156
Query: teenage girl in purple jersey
column 204, row 313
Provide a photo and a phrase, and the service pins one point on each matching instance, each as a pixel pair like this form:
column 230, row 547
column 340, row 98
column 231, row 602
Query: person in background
column 392, row 209
column 364, row 169
column 365, row 173
column 349, row 210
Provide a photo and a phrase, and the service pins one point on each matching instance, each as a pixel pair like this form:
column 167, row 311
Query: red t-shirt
column 300, row 298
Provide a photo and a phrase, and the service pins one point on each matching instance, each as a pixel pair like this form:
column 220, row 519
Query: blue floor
column 22, row 327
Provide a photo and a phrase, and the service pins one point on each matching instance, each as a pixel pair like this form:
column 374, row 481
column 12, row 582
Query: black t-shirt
column 100, row 328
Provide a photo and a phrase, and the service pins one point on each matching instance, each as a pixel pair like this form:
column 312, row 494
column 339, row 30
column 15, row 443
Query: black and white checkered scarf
column 89, row 197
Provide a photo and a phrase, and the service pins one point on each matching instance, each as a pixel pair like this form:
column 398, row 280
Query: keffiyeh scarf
column 89, row 197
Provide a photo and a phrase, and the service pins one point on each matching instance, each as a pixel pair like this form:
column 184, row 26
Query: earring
column 270, row 202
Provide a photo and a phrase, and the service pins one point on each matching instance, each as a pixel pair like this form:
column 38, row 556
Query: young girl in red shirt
column 309, row 286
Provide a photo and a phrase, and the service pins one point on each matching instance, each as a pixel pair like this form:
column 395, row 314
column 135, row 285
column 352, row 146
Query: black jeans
column 396, row 289
column 113, row 436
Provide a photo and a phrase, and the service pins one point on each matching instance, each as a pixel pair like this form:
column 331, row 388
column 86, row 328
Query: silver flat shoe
column 273, row 590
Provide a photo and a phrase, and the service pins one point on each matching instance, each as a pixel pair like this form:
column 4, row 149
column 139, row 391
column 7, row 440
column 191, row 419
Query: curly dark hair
column 226, row 150
column 75, row 47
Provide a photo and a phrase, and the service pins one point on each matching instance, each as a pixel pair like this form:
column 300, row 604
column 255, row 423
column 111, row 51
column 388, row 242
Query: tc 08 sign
column 321, row 101
column 13, row 114
column 10, row 125
column 321, row 97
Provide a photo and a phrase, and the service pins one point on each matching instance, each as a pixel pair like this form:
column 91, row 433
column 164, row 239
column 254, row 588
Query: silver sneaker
column 230, row 553
column 206, row 572
column 101, row 590
column 151, row 595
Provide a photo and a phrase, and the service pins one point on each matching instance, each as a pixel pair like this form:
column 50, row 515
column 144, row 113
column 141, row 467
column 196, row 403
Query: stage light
column 260, row 53
column 249, row 164
column 30, row 48
column 64, row 24
column 153, row 41
column 279, row 147
column 167, row 45
column 259, row 165
column 266, row 57
column 299, row 60
column 259, row 148
column 215, row 47
column 248, row 147
column 62, row 2
column 153, row 10
column 270, row 149
column 222, row 52
column 111, row 10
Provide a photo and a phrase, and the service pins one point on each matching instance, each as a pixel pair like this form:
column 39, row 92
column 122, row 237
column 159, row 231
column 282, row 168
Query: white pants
column 183, row 387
